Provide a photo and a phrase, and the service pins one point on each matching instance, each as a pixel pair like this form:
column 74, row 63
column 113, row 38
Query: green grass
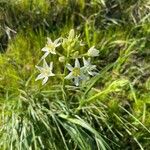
column 110, row 111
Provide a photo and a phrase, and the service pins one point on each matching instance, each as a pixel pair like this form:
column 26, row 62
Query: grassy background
column 111, row 111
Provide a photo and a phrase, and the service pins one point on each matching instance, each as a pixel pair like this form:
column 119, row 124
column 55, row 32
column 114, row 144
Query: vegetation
column 110, row 110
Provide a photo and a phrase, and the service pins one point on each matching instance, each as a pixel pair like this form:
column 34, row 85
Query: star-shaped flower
column 93, row 52
column 76, row 72
column 88, row 67
column 45, row 72
column 50, row 47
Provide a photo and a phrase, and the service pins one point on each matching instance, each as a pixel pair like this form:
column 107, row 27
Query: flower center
column 51, row 47
column 76, row 71
column 46, row 72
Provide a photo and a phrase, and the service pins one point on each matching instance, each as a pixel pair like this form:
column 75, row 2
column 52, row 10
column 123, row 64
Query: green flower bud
column 61, row 59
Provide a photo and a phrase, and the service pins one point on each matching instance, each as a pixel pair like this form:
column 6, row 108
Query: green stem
column 59, row 53
column 63, row 81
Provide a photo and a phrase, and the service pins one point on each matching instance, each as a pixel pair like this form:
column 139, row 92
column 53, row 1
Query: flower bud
column 93, row 52
column 71, row 34
column 61, row 59
column 76, row 54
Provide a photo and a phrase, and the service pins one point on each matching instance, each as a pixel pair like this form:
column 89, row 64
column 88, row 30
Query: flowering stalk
column 71, row 45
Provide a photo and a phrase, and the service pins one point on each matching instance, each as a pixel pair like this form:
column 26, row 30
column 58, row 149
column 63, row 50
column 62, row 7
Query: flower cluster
column 70, row 44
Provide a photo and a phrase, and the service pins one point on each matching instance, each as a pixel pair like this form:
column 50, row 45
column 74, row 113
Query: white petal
column 52, row 51
column 40, row 76
column 51, row 66
column 92, row 73
column 52, row 74
column 58, row 44
column 44, row 80
column 45, row 65
column 69, row 67
column 77, row 64
column 45, row 49
column 39, row 68
column 49, row 41
column 76, row 81
column 56, row 41
column 45, row 55
column 85, row 62
column 69, row 76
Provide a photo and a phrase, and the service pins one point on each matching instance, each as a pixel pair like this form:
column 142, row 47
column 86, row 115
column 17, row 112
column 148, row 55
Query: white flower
column 88, row 67
column 76, row 72
column 50, row 47
column 93, row 52
column 45, row 72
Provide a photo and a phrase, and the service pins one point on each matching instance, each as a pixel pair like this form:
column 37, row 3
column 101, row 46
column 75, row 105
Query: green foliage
column 109, row 111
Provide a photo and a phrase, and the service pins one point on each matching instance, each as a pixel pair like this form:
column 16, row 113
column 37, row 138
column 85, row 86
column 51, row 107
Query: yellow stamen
column 76, row 71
